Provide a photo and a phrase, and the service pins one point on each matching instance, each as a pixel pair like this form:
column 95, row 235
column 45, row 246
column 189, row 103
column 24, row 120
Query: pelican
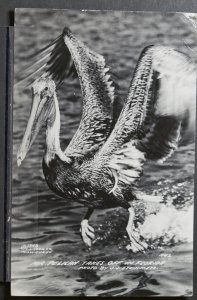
column 104, row 160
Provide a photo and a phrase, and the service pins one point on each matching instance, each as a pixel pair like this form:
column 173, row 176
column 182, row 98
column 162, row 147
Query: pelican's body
column 72, row 181
column 105, row 158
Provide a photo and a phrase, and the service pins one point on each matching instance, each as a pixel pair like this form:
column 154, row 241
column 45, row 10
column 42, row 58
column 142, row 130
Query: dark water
column 40, row 217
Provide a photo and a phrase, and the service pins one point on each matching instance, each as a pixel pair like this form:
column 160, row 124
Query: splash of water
column 168, row 226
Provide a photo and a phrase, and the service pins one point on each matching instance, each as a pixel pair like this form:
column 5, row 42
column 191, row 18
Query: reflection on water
column 40, row 217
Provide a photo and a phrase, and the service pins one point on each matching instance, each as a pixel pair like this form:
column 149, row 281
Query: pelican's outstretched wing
column 98, row 98
column 159, row 112
column 69, row 56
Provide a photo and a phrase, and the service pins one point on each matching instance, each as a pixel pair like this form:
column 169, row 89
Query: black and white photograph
column 104, row 116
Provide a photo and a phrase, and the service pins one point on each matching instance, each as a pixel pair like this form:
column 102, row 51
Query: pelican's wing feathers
column 159, row 113
column 68, row 56
column 53, row 60
column 98, row 92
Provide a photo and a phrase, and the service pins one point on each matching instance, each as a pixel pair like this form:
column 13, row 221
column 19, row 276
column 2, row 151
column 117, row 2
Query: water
column 40, row 217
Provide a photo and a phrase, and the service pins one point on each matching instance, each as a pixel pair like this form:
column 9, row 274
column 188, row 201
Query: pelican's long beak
column 36, row 120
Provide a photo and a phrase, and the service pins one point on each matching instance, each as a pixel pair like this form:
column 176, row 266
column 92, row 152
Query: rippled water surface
column 40, row 217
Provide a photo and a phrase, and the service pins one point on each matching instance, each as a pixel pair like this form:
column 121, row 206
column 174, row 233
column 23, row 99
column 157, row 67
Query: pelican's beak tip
column 20, row 157
column 19, row 161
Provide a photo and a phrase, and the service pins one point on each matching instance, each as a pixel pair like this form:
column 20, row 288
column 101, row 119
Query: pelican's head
column 42, row 113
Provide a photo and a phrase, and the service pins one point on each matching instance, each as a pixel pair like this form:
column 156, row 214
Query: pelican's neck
column 53, row 135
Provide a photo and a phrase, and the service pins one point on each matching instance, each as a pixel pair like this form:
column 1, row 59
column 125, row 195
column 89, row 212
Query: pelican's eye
column 46, row 88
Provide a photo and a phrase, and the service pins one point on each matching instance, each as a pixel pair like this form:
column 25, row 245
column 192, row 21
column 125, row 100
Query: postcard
column 104, row 113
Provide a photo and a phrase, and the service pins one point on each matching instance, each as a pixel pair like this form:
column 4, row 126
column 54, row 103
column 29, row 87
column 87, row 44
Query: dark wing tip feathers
column 66, row 31
column 45, row 48
column 147, row 48
column 56, row 61
column 60, row 64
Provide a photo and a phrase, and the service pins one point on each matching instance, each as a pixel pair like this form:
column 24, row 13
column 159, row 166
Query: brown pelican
column 105, row 158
